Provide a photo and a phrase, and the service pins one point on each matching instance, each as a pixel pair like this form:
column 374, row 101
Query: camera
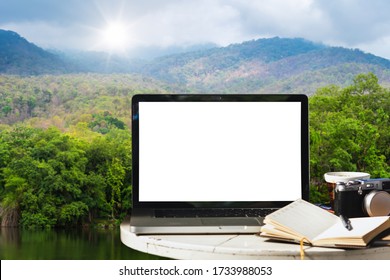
column 362, row 198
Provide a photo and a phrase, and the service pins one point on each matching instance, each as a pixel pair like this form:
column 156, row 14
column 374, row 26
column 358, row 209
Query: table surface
column 237, row 246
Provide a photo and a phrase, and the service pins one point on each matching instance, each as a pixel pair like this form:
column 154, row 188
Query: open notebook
column 302, row 220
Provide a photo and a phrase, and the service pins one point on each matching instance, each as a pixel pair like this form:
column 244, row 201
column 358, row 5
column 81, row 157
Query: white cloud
column 189, row 23
column 51, row 36
column 357, row 21
column 77, row 24
column 298, row 18
column 379, row 47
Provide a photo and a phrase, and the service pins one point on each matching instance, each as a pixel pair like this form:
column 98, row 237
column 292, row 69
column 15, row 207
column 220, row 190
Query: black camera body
column 362, row 198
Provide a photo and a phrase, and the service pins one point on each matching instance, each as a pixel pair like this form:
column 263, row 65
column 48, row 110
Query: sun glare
column 115, row 36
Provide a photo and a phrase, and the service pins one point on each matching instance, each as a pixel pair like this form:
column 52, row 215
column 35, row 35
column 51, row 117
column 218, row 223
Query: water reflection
column 65, row 244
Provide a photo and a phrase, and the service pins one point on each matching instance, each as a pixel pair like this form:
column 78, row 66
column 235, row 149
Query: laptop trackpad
column 231, row 222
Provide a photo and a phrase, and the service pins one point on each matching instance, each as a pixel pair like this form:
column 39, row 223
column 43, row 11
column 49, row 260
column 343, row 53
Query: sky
column 121, row 26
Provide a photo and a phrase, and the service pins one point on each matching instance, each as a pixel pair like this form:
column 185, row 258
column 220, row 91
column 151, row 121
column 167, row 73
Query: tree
column 44, row 177
column 364, row 84
column 349, row 129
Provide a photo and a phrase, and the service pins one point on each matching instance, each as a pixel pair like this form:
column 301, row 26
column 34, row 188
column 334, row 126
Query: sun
column 115, row 36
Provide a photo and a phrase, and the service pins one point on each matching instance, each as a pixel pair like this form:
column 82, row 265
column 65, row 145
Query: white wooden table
column 248, row 246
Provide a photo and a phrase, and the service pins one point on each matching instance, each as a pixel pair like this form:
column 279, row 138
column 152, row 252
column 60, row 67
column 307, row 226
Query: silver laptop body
column 211, row 163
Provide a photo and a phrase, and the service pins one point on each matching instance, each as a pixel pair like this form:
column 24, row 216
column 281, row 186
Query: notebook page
column 268, row 230
column 303, row 218
column 360, row 227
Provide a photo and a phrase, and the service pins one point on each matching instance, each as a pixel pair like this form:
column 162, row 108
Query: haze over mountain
column 259, row 66
column 20, row 57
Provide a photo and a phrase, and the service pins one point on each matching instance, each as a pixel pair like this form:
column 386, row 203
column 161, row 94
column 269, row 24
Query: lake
column 66, row 244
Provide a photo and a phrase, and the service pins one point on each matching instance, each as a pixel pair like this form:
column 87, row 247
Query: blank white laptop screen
column 219, row 151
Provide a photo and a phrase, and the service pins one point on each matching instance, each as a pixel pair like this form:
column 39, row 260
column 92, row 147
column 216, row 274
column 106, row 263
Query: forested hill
column 274, row 65
column 20, row 57
column 267, row 66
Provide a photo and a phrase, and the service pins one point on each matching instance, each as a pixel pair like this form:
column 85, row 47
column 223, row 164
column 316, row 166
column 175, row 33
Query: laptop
column 205, row 164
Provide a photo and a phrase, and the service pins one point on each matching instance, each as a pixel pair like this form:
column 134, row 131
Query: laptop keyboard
column 213, row 212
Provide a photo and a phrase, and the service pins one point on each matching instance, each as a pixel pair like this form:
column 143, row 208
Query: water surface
column 66, row 244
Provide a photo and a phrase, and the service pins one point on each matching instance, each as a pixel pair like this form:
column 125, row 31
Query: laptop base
column 220, row 225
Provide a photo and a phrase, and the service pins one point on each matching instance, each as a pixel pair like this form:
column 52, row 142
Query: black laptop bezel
column 136, row 99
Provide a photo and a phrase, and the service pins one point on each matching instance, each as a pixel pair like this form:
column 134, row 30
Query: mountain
column 20, row 57
column 273, row 65
column 266, row 66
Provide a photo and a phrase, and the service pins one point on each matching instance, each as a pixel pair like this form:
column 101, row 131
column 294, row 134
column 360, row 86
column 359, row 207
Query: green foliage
column 349, row 130
column 66, row 100
column 103, row 122
column 65, row 160
column 72, row 212
column 53, row 179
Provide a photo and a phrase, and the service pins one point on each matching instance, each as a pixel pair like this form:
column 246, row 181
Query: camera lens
column 377, row 203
